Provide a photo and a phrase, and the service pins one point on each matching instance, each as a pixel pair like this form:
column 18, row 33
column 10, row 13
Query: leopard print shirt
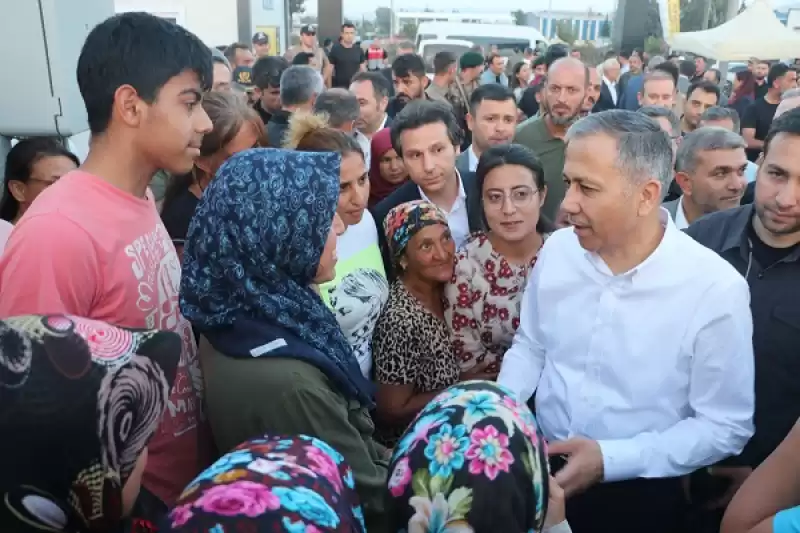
column 411, row 345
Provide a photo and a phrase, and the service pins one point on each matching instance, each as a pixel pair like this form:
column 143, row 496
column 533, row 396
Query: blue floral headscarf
column 472, row 461
column 252, row 252
column 293, row 484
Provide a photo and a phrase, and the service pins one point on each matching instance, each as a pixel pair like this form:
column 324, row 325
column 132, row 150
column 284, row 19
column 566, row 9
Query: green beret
column 471, row 60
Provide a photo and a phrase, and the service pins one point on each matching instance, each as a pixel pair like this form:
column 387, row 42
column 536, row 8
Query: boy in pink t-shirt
column 93, row 244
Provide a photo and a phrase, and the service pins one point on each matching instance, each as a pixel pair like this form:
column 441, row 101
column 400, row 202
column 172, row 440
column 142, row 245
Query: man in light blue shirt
column 495, row 73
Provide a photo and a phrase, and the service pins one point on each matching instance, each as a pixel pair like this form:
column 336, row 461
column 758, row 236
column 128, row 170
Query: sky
column 359, row 7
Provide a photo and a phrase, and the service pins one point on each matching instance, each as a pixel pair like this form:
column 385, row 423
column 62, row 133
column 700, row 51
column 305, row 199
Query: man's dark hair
column 408, row 65
column 302, row 58
column 776, row 71
column 717, row 75
column 541, row 60
column 625, row 54
column 380, row 85
column 719, row 113
column 788, row 123
column 230, row 51
column 267, row 72
column 705, row 86
column 442, row 62
column 419, row 113
column 140, row 50
column 340, row 105
column 670, row 68
column 688, row 68
column 348, row 25
column 491, row 91
column 554, row 53
column 492, row 57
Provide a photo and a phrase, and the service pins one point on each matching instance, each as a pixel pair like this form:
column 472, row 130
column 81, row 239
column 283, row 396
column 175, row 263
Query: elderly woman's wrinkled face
column 326, row 270
column 429, row 255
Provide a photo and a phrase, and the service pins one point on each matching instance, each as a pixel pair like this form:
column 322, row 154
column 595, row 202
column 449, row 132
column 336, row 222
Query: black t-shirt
column 346, row 63
column 766, row 255
column 758, row 116
column 178, row 214
column 761, row 90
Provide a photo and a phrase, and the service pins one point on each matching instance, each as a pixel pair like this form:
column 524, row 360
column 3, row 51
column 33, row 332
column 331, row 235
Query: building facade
column 587, row 26
column 479, row 17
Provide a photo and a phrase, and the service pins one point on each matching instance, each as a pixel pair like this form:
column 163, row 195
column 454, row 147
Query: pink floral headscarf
column 272, row 484
column 473, row 460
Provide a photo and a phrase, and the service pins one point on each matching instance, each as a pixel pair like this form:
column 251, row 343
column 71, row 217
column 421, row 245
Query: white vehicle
column 428, row 49
column 509, row 39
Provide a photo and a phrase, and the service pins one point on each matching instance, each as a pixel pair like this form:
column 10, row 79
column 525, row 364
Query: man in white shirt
column 609, row 95
column 710, row 170
column 492, row 119
column 426, row 135
column 372, row 91
column 636, row 340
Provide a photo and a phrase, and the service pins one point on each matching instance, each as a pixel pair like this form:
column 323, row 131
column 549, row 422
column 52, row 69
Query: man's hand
column 584, row 465
column 735, row 475
column 556, row 510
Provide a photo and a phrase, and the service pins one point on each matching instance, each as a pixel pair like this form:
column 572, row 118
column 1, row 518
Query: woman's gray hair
column 656, row 112
column 644, row 149
column 705, row 140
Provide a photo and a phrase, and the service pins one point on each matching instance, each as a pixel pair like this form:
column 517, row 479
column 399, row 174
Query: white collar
column 608, row 82
column 462, row 195
column 680, row 215
column 473, row 159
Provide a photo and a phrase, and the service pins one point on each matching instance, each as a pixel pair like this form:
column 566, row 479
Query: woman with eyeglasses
column 484, row 295
column 236, row 127
column 32, row 166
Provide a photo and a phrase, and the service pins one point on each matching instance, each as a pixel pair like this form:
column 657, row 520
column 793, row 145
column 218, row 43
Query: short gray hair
column 656, row 112
column 645, row 150
column 340, row 105
column 705, row 140
column 299, row 84
column 719, row 113
column 791, row 93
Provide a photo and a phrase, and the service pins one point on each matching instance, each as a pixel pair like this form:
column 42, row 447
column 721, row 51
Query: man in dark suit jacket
column 609, row 91
column 425, row 134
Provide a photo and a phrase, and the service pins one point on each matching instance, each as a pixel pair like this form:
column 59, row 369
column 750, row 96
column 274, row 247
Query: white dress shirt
column 473, row 159
column 366, row 142
column 655, row 364
column 612, row 88
column 680, row 216
column 457, row 219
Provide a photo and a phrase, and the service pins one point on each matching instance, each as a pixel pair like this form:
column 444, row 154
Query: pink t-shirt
column 90, row 249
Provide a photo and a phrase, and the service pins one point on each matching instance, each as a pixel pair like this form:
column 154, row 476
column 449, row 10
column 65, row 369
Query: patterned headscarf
column 292, row 484
column 79, row 400
column 405, row 221
column 253, row 249
column 473, row 461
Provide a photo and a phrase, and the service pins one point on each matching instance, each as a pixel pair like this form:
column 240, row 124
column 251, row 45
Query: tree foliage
column 519, row 17
column 605, row 29
column 409, row 30
column 297, row 6
column 653, row 26
column 693, row 13
column 565, row 32
column 383, row 20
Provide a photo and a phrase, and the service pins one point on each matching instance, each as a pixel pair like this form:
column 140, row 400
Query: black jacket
column 276, row 128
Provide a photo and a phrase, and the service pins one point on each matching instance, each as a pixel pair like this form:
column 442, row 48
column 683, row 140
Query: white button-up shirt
column 366, row 143
column 473, row 159
column 457, row 219
column 680, row 216
column 655, row 364
column 612, row 88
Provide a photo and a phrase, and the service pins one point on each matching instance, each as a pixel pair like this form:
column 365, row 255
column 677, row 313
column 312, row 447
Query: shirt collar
column 608, row 82
column 473, row 159
column 680, row 215
column 462, row 195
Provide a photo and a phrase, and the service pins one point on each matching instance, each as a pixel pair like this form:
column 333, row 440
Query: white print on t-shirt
column 158, row 272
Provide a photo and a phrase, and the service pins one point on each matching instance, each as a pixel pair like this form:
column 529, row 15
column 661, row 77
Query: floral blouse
column 482, row 303
column 411, row 345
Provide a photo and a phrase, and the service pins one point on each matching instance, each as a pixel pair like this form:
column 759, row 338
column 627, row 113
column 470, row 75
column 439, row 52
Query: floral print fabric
column 482, row 303
column 271, row 484
column 473, row 461
column 253, row 249
column 405, row 221
column 79, row 399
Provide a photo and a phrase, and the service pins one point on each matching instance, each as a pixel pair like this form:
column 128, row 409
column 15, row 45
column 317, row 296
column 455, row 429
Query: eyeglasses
column 520, row 197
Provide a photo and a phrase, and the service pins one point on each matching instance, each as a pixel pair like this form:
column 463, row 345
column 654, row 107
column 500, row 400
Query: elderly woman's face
column 326, row 270
column 429, row 254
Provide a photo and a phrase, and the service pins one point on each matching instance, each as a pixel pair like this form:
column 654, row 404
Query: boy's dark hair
column 408, row 65
column 267, row 72
column 705, row 86
column 419, row 113
column 302, row 58
column 140, row 50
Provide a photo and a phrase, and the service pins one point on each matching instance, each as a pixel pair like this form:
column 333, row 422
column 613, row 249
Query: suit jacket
column 462, row 163
column 409, row 192
column 629, row 99
column 672, row 207
column 605, row 101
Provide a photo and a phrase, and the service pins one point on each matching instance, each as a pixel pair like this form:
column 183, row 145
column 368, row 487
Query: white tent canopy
column 755, row 32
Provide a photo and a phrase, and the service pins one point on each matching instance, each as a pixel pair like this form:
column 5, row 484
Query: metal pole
column 391, row 20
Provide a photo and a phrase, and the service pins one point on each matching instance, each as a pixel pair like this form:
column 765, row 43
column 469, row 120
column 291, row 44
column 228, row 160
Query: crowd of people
column 326, row 294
